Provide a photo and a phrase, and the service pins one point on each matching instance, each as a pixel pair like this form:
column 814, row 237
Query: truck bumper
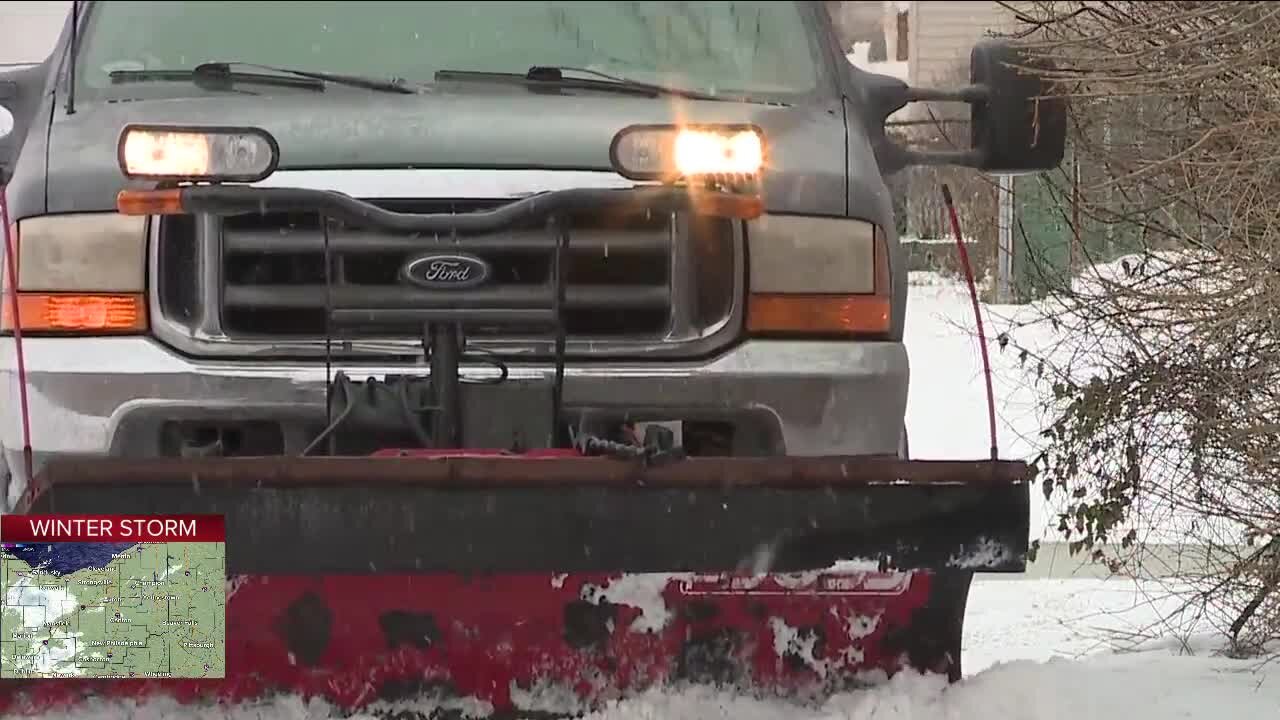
column 107, row 396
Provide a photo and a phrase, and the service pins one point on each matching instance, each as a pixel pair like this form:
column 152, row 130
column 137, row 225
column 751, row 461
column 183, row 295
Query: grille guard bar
column 442, row 318
column 238, row 199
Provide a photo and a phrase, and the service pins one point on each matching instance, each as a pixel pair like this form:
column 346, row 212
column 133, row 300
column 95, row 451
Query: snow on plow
column 558, row 583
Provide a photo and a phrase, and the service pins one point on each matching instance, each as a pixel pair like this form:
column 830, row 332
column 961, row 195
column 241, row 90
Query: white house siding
column 29, row 29
column 943, row 31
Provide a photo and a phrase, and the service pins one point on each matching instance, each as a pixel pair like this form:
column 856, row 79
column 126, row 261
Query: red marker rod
column 954, row 217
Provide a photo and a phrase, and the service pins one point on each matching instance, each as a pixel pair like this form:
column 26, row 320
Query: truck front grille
column 638, row 277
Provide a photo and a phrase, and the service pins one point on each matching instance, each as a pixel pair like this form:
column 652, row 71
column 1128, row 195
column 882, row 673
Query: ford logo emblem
column 446, row 272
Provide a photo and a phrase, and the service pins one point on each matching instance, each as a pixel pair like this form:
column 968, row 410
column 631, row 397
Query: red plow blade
column 555, row 643
column 560, row 584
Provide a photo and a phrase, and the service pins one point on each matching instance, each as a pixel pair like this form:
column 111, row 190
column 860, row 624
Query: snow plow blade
column 555, row 583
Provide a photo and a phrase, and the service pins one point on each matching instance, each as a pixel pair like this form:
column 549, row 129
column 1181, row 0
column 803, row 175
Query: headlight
column 158, row 152
column 81, row 274
column 817, row 276
column 670, row 153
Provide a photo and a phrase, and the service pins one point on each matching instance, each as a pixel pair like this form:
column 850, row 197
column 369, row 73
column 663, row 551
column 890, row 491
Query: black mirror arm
column 886, row 95
column 880, row 97
column 968, row 94
column 958, row 158
column 1015, row 126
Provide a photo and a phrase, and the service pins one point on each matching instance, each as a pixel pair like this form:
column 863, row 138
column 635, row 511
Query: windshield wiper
column 554, row 75
column 220, row 76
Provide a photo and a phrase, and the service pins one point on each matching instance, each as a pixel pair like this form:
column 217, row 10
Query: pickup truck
column 232, row 228
column 200, row 335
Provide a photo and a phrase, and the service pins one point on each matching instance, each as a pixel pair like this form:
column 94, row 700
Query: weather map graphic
column 112, row 597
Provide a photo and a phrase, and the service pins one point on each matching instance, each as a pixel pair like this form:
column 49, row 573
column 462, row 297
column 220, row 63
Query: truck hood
column 490, row 127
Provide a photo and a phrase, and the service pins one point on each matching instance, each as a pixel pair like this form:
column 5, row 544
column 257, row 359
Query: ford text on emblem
column 446, row 272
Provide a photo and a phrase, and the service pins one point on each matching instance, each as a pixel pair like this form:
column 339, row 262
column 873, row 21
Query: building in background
column 942, row 34
column 930, row 38
column 29, row 29
column 943, row 31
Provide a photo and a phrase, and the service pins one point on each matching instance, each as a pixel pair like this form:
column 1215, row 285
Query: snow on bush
column 1164, row 370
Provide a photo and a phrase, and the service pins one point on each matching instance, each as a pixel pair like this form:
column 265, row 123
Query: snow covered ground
column 1038, row 650
column 1145, row 686
column 947, row 404
column 1035, row 650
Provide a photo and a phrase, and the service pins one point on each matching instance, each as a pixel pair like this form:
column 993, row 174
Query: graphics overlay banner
column 112, row 596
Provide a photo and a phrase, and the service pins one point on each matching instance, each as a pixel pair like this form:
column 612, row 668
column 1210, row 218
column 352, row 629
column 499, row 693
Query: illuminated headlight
column 670, row 153
column 158, row 152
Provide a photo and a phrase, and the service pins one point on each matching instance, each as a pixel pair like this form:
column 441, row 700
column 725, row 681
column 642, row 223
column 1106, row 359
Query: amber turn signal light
column 150, row 202
column 76, row 313
column 726, row 205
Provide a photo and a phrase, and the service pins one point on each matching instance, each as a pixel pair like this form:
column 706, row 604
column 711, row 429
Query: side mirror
column 19, row 98
column 1015, row 128
column 8, row 128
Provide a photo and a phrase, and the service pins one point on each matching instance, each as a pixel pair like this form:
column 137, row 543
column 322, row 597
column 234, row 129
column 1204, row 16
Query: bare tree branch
column 1164, row 364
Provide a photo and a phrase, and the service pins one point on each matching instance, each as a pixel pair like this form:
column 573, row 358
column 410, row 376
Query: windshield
column 729, row 48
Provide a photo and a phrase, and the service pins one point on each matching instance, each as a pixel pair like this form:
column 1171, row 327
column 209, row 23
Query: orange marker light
column 818, row 314
column 77, row 314
column 727, row 205
column 150, row 202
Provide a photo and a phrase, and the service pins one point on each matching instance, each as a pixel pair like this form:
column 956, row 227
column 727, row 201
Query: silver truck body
column 231, row 338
